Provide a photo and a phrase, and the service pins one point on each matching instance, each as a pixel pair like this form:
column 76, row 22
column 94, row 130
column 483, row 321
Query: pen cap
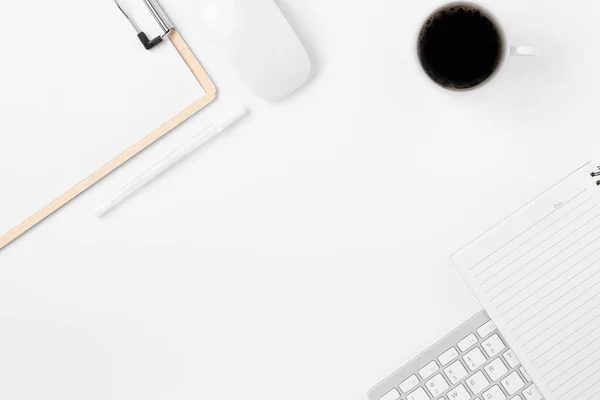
column 234, row 117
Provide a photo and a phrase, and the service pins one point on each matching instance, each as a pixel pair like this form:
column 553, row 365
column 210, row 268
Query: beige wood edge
column 211, row 93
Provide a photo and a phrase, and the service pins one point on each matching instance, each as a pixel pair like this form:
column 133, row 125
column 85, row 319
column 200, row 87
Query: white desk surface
column 305, row 254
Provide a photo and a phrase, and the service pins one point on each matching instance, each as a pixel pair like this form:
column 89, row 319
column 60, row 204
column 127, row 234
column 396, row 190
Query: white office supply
column 260, row 43
column 473, row 374
column 169, row 160
column 77, row 91
column 537, row 273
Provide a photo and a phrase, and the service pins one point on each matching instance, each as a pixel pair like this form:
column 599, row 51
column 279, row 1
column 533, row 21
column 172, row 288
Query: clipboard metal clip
column 161, row 18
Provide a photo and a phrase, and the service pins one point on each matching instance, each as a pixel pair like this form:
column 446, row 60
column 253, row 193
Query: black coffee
column 460, row 47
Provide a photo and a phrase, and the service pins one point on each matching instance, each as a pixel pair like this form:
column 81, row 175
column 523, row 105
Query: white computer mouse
column 261, row 44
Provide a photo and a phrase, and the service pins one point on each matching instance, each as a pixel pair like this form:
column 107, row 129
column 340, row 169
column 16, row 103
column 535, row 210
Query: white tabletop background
column 305, row 253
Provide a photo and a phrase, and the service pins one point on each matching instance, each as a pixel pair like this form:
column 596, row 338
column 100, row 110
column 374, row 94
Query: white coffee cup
column 508, row 50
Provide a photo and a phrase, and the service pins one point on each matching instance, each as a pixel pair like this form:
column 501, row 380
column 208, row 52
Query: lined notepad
column 537, row 273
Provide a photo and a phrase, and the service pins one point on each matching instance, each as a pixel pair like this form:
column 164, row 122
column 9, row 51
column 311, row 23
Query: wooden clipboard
column 211, row 93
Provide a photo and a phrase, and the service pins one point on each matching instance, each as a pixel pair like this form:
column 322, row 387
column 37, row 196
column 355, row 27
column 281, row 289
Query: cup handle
column 524, row 50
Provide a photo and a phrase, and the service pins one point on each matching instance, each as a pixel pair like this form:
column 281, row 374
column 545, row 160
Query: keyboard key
column 496, row 369
column 493, row 345
column 477, row 382
column 391, row 395
column 512, row 383
column 495, row 393
column 486, row 329
column 474, row 359
column 517, row 397
column 459, row 393
column 437, row 385
column 467, row 342
column 448, row 356
column 532, row 393
column 525, row 374
column 455, row 372
column 418, row 394
column 511, row 358
column 428, row 370
column 409, row 383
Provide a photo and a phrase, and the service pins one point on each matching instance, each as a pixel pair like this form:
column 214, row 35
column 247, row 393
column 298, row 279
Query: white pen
column 169, row 160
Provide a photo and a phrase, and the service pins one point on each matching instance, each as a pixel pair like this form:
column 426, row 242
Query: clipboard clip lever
column 161, row 18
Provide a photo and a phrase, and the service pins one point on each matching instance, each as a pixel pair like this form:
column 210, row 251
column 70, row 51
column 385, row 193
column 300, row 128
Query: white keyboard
column 472, row 362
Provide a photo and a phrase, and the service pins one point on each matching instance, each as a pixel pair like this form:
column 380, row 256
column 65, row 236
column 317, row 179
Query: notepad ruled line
column 557, row 311
column 526, row 230
column 559, row 298
column 589, row 398
column 579, row 383
column 542, row 253
column 533, row 237
column 575, row 374
column 566, row 359
column 546, row 273
column 553, row 280
column 502, row 268
column 566, row 337
column 512, row 296
column 585, row 314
